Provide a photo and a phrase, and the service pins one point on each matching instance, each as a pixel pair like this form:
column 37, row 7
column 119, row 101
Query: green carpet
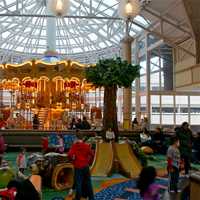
column 158, row 161
column 48, row 193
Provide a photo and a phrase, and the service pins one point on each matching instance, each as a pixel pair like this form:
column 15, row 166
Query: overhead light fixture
column 58, row 7
column 129, row 8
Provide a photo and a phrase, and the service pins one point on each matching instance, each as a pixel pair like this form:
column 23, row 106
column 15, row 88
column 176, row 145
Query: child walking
column 149, row 190
column 173, row 164
column 21, row 160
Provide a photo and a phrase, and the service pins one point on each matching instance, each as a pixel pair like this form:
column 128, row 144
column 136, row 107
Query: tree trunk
column 110, row 109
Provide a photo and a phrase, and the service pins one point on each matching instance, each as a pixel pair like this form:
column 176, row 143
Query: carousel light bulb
column 58, row 7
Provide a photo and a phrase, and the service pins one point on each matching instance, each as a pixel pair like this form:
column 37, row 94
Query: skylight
column 74, row 35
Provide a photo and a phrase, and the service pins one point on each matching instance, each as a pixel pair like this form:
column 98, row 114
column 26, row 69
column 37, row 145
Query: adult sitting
column 36, row 122
column 85, row 124
column 158, row 141
column 135, row 123
column 145, row 138
column 73, row 124
column 196, row 148
column 79, row 124
column 110, row 135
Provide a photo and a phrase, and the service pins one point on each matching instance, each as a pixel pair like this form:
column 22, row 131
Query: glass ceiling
column 73, row 35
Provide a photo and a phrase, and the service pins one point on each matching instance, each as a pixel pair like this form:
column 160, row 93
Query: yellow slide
column 103, row 160
column 127, row 160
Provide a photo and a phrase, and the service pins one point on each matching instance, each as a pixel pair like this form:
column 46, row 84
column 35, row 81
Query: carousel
column 53, row 92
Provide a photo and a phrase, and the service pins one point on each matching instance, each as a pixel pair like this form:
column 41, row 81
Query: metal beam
column 67, row 16
column 167, row 21
column 167, row 40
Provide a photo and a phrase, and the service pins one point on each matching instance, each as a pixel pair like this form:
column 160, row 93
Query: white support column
column 148, row 72
column 160, row 87
column 127, row 92
column 51, row 32
column 189, row 110
column 174, row 101
column 137, row 86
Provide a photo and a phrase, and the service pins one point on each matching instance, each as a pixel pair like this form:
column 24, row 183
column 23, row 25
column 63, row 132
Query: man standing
column 81, row 155
column 185, row 137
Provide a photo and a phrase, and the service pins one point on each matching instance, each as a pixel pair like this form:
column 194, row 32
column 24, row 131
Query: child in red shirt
column 81, row 155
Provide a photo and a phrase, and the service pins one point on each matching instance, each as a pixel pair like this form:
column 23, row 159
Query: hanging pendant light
column 129, row 8
column 58, row 7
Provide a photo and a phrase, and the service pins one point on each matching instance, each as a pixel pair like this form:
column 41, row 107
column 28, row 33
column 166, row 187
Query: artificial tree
column 111, row 74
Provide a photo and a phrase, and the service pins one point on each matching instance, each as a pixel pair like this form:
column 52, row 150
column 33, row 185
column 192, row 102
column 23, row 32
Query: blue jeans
column 173, row 179
column 83, row 184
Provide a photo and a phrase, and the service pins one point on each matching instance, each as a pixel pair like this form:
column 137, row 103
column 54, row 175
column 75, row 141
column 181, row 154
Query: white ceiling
column 28, row 35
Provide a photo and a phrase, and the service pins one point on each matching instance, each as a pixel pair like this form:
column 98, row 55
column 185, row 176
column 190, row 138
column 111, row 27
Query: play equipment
column 194, row 186
column 128, row 162
column 58, row 172
column 105, row 155
column 103, row 160
column 147, row 150
column 54, row 168
column 6, row 174
column 62, row 176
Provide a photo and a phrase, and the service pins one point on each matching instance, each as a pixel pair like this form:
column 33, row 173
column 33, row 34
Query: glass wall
column 175, row 108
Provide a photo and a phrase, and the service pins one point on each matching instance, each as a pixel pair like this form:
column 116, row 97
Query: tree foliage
column 113, row 71
column 110, row 74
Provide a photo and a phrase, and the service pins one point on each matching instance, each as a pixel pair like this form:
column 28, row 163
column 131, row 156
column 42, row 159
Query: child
column 61, row 145
column 148, row 189
column 80, row 153
column 173, row 164
column 21, row 160
column 110, row 135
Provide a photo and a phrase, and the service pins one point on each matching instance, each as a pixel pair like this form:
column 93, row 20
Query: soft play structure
column 103, row 160
column 128, row 162
column 55, row 169
column 6, row 174
column 122, row 154
column 194, row 186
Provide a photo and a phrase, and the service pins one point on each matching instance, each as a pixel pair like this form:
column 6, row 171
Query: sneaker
column 171, row 191
column 70, row 193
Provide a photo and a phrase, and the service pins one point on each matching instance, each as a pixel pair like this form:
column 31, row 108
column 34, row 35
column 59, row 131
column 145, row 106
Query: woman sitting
column 145, row 138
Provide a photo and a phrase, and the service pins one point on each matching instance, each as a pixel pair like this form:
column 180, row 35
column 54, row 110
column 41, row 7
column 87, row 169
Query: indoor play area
column 99, row 100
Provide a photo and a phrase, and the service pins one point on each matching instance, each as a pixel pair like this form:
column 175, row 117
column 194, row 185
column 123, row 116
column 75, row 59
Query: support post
column 127, row 92
column 51, row 32
column 148, row 82
column 137, row 87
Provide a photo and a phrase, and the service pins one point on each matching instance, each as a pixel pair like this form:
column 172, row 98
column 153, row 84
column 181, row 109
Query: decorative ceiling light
column 58, row 7
column 129, row 8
